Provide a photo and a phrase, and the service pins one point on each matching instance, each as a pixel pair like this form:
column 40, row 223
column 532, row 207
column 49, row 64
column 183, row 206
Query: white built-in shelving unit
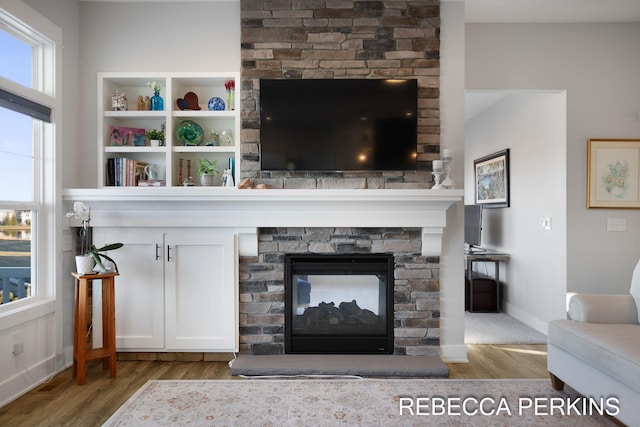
column 166, row 158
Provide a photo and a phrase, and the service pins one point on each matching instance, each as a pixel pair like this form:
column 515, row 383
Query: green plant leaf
column 99, row 264
column 110, row 247
column 111, row 260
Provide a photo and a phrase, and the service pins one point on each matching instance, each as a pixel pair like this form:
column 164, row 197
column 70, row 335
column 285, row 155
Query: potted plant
column 207, row 170
column 155, row 137
column 89, row 254
column 97, row 253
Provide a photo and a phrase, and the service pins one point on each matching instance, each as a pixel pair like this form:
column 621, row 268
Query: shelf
column 203, row 113
column 204, row 149
column 135, row 114
column 173, row 87
column 133, row 149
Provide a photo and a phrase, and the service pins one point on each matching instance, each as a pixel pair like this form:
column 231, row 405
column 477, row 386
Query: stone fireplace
column 415, row 293
column 343, row 39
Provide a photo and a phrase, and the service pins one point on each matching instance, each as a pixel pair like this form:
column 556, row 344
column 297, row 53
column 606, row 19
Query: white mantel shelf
column 251, row 209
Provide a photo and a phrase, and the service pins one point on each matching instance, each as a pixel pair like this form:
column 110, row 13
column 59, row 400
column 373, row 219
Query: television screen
column 337, row 124
column 473, row 225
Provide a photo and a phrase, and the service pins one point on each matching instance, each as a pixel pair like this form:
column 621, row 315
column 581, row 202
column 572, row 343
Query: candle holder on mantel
column 437, row 175
column 447, row 160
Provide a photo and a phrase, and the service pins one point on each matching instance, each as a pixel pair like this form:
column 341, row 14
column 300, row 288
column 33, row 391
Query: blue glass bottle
column 157, row 103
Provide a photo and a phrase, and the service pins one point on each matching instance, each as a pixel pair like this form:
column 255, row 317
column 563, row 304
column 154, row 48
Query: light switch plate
column 545, row 223
column 616, row 224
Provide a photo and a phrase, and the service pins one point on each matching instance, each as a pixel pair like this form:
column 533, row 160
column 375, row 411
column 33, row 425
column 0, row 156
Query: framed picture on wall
column 492, row 180
column 614, row 180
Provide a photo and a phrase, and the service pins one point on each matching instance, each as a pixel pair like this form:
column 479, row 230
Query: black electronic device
column 473, row 226
column 338, row 124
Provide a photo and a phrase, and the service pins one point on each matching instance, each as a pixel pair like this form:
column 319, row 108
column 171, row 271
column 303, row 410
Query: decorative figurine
column 119, row 101
column 447, row 158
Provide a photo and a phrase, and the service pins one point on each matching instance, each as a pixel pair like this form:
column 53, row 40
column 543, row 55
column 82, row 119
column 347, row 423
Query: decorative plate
column 189, row 133
column 189, row 102
column 216, row 104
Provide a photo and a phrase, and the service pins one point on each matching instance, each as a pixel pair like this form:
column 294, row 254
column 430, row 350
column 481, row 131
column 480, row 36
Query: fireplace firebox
column 339, row 304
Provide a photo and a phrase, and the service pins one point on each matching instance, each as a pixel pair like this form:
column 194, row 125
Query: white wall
column 452, row 346
column 598, row 65
column 140, row 37
column 532, row 126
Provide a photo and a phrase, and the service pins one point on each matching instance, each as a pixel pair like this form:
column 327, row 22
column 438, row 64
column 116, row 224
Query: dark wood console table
column 486, row 255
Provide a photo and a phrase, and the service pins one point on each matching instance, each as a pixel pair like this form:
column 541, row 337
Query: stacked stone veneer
column 341, row 39
column 416, row 287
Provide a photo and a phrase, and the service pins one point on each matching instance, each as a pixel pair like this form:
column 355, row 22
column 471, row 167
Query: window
column 15, row 59
column 26, row 161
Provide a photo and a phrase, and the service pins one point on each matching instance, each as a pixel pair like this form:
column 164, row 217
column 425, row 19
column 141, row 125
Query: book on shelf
column 124, row 172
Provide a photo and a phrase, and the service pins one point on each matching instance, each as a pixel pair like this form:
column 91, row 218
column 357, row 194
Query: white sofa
column 597, row 350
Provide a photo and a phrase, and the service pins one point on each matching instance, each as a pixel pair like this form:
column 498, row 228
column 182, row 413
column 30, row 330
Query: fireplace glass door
column 339, row 304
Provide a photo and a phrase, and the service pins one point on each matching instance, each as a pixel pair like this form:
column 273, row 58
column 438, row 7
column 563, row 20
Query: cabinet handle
column 168, row 253
column 157, row 251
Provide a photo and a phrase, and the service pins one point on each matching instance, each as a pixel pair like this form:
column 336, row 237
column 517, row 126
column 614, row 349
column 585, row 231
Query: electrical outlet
column 18, row 344
column 545, row 223
column 18, row 348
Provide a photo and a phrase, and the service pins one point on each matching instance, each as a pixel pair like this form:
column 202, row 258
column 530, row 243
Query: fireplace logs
column 327, row 318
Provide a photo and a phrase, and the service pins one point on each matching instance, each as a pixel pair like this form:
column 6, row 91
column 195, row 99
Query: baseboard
column 454, row 353
column 64, row 360
column 25, row 381
column 175, row 356
column 525, row 317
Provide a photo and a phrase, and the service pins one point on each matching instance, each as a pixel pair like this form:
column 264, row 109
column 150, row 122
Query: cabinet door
column 139, row 288
column 201, row 290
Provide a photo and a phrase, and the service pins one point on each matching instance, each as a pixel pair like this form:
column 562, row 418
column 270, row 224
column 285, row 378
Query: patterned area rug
column 354, row 402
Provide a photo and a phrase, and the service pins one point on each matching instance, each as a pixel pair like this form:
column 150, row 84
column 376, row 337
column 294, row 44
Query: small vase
column 231, row 99
column 157, row 103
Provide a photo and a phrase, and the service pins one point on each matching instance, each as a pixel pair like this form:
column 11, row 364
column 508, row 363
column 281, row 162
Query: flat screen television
column 473, row 226
column 338, row 124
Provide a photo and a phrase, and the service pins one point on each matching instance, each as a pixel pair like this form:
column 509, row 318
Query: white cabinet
column 118, row 132
column 200, row 297
column 177, row 289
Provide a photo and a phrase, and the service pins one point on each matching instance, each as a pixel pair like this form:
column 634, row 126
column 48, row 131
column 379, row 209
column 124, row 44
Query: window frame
column 22, row 22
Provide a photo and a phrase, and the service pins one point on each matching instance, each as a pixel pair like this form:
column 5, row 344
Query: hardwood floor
column 60, row 402
column 489, row 361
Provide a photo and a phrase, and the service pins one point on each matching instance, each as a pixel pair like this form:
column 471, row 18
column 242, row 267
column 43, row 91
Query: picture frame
column 122, row 136
column 492, row 180
column 613, row 173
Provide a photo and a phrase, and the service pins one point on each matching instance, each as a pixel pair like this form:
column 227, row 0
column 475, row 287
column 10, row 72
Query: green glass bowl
column 189, row 133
